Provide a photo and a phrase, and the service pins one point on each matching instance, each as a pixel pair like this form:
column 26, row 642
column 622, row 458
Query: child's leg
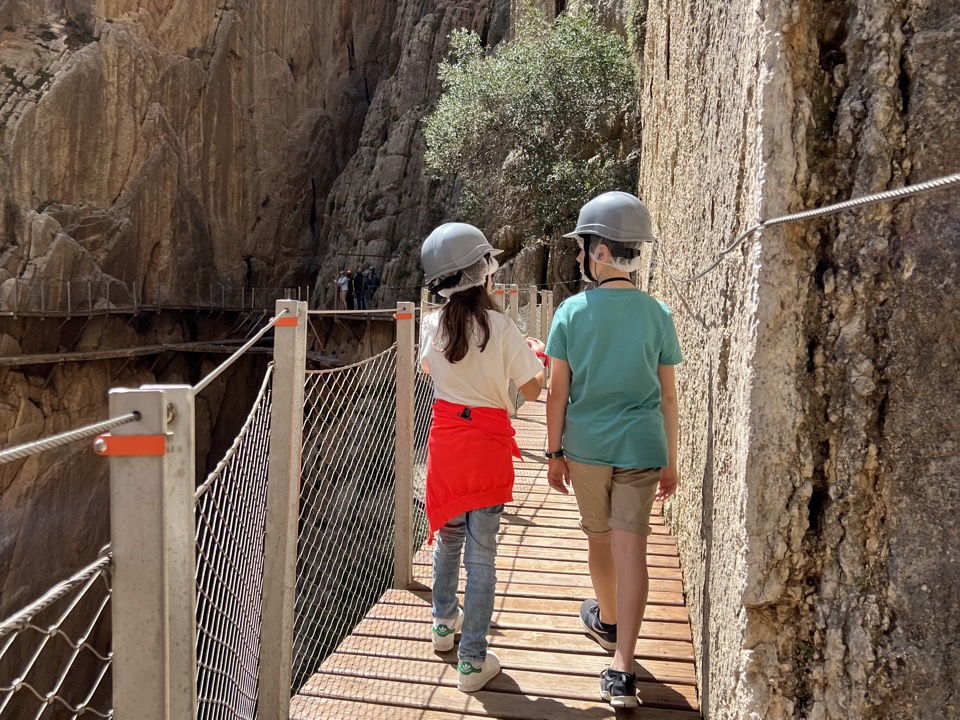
column 591, row 487
column 446, row 567
column 632, row 495
column 603, row 575
column 630, row 555
column 479, row 558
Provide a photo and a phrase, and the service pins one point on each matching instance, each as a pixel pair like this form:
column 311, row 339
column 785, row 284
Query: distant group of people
column 357, row 289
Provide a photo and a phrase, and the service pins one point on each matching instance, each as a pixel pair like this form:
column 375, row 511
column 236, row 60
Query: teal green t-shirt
column 614, row 339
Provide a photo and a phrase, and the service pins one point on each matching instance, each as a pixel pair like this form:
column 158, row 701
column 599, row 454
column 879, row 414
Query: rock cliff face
column 167, row 149
column 817, row 518
column 177, row 139
column 383, row 204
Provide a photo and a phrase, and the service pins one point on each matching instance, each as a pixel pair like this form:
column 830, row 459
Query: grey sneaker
column 471, row 678
column 619, row 688
column 604, row 634
column 445, row 630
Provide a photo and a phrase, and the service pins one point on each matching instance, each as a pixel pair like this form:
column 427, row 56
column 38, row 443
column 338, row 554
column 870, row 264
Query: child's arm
column 531, row 389
column 557, row 396
column 670, row 408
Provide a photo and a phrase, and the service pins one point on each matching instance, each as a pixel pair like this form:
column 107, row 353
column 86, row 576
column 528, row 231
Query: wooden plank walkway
column 387, row 669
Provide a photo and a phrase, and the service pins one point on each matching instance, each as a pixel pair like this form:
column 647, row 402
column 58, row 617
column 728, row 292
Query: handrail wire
column 20, row 452
column 372, row 311
column 233, row 358
column 935, row 184
column 228, row 455
column 17, row 620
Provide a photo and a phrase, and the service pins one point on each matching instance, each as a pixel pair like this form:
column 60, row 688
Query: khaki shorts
column 611, row 497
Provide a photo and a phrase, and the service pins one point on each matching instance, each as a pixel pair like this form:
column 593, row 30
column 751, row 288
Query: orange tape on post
column 130, row 445
column 404, row 316
column 286, row 322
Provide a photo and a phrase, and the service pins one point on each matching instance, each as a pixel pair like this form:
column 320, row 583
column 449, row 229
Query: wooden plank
column 523, row 639
column 506, row 620
column 506, row 706
column 525, row 550
column 526, row 681
column 559, row 567
column 667, row 671
column 524, row 527
column 656, row 545
column 540, row 605
column 508, row 576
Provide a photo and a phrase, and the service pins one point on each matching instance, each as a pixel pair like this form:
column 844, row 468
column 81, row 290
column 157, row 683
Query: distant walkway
column 387, row 669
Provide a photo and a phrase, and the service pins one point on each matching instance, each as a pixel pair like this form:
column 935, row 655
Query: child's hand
column 668, row 483
column 558, row 475
column 536, row 345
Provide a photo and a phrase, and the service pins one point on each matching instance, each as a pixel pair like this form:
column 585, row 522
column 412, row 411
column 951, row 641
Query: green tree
column 539, row 126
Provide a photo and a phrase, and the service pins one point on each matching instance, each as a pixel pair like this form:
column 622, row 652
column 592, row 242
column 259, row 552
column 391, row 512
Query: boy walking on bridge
column 612, row 423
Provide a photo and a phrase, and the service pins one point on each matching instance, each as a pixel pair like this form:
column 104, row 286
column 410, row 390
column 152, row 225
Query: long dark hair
column 457, row 319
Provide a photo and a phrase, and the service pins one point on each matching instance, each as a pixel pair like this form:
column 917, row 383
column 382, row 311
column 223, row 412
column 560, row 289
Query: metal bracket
column 130, row 445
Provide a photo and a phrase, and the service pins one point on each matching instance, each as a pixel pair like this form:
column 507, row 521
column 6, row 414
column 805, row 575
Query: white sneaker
column 471, row 678
column 444, row 631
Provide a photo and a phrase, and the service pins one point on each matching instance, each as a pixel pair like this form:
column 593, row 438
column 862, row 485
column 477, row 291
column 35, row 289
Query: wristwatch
column 554, row 455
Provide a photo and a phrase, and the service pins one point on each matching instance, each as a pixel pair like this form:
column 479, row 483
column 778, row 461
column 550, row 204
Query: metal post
column 403, row 482
column 514, row 293
column 152, row 540
column 89, row 297
column 546, row 314
column 283, row 502
column 498, row 296
column 532, row 329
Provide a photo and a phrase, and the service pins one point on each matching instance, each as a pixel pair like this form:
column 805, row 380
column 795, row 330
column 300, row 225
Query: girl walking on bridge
column 471, row 350
column 612, row 423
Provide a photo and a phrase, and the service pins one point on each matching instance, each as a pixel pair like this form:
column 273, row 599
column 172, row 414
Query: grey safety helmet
column 616, row 216
column 450, row 248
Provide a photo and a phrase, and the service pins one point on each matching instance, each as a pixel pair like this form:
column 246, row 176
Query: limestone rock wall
column 182, row 136
column 817, row 514
column 384, row 204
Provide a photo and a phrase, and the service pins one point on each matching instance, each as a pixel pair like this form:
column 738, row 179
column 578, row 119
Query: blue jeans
column 479, row 529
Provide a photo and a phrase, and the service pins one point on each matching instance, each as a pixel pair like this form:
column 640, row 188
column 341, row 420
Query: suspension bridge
column 292, row 581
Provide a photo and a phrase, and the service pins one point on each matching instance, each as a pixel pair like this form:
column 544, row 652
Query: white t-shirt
column 481, row 379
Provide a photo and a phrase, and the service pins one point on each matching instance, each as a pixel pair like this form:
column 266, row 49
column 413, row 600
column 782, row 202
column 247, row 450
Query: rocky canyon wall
column 817, row 515
column 172, row 141
column 181, row 147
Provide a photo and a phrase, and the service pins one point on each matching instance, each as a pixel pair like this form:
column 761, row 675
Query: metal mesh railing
column 346, row 528
column 231, row 518
column 54, row 654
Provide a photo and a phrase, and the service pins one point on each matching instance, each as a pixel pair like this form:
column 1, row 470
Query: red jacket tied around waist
column 469, row 461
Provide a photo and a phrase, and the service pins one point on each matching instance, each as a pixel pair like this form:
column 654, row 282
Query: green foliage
column 539, row 127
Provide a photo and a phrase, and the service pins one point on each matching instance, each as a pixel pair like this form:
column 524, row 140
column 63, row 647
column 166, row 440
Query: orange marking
column 404, row 316
column 130, row 445
column 286, row 322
